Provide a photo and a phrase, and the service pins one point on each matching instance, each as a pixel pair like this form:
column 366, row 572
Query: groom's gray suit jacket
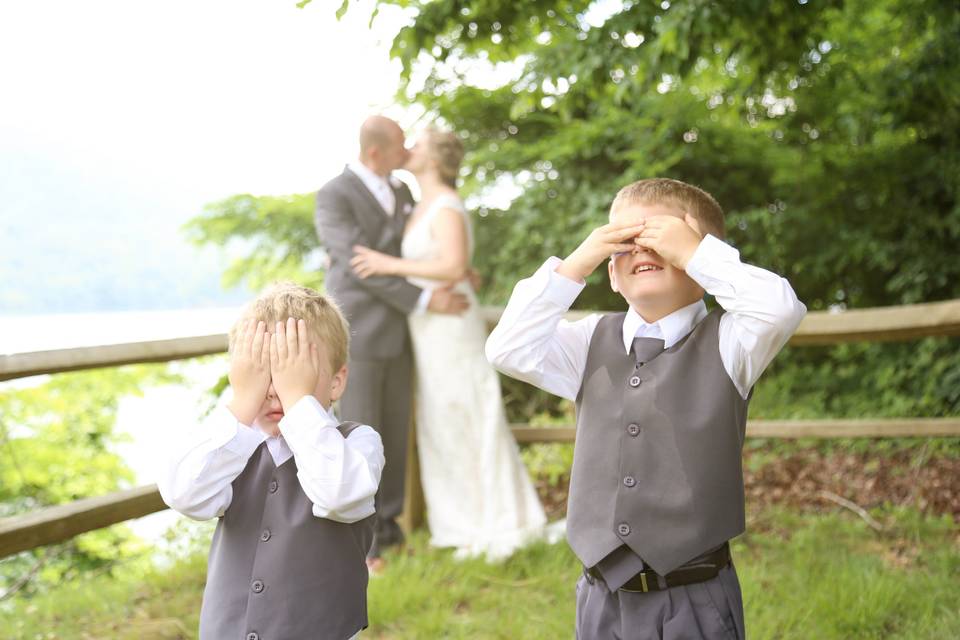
column 379, row 392
column 377, row 307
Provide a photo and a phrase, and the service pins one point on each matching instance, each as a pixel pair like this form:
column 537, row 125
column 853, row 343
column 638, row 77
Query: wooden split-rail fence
column 54, row 524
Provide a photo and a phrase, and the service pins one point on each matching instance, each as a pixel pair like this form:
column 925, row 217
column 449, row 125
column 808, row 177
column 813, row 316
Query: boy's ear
column 613, row 277
column 338, row 383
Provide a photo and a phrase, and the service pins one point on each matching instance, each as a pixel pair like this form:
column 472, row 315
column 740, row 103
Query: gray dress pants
column 711, row 610
column 379, row 393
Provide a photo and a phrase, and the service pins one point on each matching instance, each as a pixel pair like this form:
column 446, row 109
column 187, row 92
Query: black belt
column 701, row 569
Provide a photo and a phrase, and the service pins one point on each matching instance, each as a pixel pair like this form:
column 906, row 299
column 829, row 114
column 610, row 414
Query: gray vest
column 657, row 460
column 278, row 572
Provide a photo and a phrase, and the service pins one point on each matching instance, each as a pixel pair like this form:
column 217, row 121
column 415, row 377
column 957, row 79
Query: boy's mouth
column 645, row 267
column 275, row 416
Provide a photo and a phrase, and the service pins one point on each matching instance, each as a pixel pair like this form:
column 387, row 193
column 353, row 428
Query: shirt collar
column 279, row 450
column 671, row 328
column 369, row 177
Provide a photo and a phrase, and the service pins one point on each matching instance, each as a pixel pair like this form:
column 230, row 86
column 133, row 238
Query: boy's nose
column 271, row 392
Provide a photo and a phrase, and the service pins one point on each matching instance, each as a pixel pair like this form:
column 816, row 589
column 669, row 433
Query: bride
column 479, row 497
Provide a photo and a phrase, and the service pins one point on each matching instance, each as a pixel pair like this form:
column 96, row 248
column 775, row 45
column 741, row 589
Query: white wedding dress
column 479, row 496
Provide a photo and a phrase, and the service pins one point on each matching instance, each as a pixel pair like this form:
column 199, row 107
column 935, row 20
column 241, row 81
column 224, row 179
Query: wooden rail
column 62, row 522
column 819, row 327
column 791, row 429
column 21, row 365
column 58, row 523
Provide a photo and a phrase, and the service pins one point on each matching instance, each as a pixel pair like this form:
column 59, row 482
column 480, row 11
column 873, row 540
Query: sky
column 119, row 120
column 206, row 98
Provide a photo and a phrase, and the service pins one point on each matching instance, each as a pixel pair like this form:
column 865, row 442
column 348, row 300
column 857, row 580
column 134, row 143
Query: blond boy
column 293, row 488
column 661, row 390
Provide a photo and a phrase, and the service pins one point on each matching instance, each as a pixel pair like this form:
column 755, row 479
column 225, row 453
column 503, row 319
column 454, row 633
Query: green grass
column 804, row 576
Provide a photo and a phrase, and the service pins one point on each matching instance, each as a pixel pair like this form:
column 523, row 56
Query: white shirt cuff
column 304, row 416
column 710, row 251
column 236, row 437
column 558, row 289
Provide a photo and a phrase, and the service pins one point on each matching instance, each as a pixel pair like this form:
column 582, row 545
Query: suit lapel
column 399, row 211
column 362, row 188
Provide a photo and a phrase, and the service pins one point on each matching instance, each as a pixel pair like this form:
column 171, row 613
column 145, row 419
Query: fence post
column 414, row 505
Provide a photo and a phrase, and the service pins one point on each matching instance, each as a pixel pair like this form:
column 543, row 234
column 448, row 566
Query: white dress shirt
column 532, row 342
column 339, row 475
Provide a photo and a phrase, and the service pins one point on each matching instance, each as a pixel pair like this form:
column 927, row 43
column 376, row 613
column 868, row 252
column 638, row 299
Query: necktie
column 646, row 349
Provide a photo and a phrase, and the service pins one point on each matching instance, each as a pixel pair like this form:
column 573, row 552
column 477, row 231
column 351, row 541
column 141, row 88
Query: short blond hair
column 686, row 197
column 282, row 300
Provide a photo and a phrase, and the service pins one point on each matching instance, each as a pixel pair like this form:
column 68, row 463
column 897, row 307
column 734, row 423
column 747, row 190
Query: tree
column 828, row 130
column 56, row 442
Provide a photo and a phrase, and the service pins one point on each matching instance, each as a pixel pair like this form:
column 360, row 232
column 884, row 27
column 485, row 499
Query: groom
column 366, row 206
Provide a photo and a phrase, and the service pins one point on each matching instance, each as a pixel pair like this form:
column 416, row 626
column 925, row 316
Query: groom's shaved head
column 379, row 132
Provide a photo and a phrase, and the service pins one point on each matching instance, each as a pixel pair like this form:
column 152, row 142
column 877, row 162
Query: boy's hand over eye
column 674, row 239
column 249, row 370
column 602, row 243
column 294, row 362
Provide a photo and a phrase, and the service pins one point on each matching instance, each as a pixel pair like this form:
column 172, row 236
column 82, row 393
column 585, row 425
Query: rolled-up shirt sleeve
column 339, row 475
column 532, row 342
column 762, row 310
column 203, row 463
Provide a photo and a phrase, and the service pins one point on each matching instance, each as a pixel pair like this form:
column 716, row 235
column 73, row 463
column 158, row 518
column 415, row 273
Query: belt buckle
column 644, row 586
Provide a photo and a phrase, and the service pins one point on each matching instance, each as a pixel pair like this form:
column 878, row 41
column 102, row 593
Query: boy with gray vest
column 293, row 488
column 661, row 391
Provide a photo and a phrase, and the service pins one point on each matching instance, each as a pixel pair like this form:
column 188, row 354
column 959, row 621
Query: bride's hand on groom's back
column 446, row 300
column 474, row 278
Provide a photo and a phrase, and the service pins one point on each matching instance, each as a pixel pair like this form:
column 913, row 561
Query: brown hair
column 283, row 300
column 686, row 197
column 446, row 149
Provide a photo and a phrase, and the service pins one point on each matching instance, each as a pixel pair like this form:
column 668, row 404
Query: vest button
column 629, row 481
column 265, row 535
column 635, row 381
column 257, row 586
column 274, row 485
column 623, row 529
column 253, row 635
column 633, row 430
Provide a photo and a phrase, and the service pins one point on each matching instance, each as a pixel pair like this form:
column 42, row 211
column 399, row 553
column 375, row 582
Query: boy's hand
column 249, row 371
column 674, row 239
column 602, row 243
column 294, row 362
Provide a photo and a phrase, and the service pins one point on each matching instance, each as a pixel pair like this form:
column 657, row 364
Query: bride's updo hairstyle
column 446, row 150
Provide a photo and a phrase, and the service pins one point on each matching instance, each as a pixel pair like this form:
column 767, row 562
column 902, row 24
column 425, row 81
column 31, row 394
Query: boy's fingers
column 280, row 340
column 623, row 234
column 624, row 224
column 257, row 343
column 274, row 350
column 302, row 333
column 648, row 243
column 242, row 336
column 293, row 343
column 621, row 249
column 265, row 349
